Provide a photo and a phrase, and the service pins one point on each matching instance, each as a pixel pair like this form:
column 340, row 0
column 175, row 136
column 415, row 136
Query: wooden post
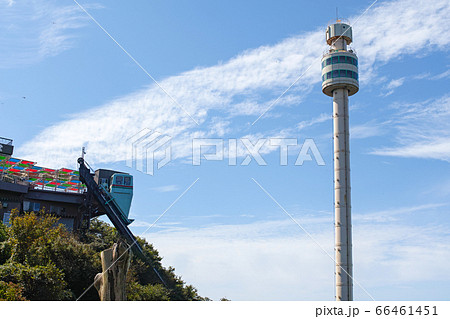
column 111, row 283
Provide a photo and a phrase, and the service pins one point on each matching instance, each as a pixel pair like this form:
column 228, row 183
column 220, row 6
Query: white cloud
column 34, row 30
column 391, row 30
column 421, row 76
column 241, row 87
column 442, row 75
column 439, row 149
column 395, row 83
column 392, row 85
column 366, row 130
column 429, row 76
column 394, row 214
column 166, row 188
column 422, row 130
column 275, row 260
column 245, row 262
column 317, row 120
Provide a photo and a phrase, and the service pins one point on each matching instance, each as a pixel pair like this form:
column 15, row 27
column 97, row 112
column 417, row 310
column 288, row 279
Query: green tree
column 49, row 253
column 39, row 256
column 5, row 248
column 3, row 232
column 10, row 292
column 138, row 292
column 38, row 282
column 102, row 236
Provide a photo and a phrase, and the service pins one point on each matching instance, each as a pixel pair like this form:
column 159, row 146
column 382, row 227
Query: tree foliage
column 41, row 260
column 38, row 282
column 10, row 292
column 138, row 292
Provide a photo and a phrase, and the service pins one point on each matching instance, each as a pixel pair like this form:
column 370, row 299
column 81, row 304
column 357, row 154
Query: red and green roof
column 63, row 179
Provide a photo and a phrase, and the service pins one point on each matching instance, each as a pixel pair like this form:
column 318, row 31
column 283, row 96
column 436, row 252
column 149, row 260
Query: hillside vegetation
column 41, row 260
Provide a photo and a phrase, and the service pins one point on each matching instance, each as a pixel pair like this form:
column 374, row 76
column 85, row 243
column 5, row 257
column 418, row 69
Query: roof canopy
column 26, row 172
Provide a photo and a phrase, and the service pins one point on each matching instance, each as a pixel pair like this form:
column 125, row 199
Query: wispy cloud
column 239, row 89
column 429, row 76
column 366, row 130
column 166, row 188
column 230, row 260
column 317, row 120
column 33, row 30
column 421, row 130
column 392, row 85
column 394, row 214
column 441, row 76
column 391, row 31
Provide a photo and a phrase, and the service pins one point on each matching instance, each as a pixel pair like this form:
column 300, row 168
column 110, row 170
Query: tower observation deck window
column 340, row 74
column 340, row 59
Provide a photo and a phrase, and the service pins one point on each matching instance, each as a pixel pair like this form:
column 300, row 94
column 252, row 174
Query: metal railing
column 329, row 51
column 6, row 141
column 7, row 178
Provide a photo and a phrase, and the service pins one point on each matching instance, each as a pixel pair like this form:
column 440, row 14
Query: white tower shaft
column 340, row 80
column 342, row 199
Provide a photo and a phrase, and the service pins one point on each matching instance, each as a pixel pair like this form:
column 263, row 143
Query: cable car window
column 127, row 181
column 119, row 180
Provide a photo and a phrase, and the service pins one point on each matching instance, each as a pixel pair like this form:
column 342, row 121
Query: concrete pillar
column 343, row 227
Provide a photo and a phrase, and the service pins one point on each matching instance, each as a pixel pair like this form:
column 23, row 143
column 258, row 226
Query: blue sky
column 65, row 84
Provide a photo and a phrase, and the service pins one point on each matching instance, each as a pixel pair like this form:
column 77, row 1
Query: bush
column 3, row 232
column 49, row 253
column 138, row 292
column 32, row 237
column 38, row 282
column 5, row 247
column 10, row 292
column 142, row 274
column 39, row 256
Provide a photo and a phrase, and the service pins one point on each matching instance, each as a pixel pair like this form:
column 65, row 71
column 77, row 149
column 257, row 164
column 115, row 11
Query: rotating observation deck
column 339, row 65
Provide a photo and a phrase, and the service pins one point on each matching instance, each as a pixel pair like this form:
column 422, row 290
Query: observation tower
column 340, row 80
